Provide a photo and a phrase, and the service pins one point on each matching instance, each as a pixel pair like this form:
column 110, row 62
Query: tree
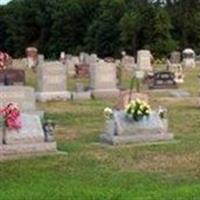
column 162, row 42
column 129, row 25
column 103, row 35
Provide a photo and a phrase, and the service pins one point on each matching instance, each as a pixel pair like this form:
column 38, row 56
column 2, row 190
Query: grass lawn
column 92, row 171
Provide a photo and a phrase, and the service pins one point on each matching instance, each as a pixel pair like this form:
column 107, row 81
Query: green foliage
column 129, row 30
column 101, row 26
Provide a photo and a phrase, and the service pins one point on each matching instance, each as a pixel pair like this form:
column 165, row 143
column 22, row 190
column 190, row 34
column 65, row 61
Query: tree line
column 104, row 27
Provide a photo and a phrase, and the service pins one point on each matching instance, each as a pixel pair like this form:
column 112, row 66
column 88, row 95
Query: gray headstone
column 122, row 129
column 103, row 80
column 29, row 140
column 31, row 131
column 23, row 96
column 51, row 77
column 51, row 82
column 175, row 57
column 128, row 62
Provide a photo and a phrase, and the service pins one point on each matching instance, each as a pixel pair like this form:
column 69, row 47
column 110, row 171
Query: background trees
column 102, row 26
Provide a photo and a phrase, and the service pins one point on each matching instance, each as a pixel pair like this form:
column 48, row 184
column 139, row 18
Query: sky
column 3, row 2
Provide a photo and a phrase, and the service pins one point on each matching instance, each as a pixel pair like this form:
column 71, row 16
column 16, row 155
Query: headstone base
column 53, row 96
column 39, row 113
column 180, row 93
column 20, row 150
column 106, row 93
column 81, row 95
column 140, row 138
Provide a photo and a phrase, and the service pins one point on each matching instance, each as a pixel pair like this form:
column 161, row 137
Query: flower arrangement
column 108, row 113
column 137, row 109
column 11, row 116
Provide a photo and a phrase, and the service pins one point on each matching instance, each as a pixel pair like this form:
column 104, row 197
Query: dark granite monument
column 161, row 80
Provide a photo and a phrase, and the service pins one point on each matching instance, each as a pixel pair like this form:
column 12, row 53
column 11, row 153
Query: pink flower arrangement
column 11, row 116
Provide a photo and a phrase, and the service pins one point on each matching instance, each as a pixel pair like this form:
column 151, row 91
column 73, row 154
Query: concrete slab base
column 106, row 93
column 135, row 139
column 20, row 150
column 53, row 96
column 81, row 95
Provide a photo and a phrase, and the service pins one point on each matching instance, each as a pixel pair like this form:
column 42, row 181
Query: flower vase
column 110, row 126
column 1, row 129
column 4, row 139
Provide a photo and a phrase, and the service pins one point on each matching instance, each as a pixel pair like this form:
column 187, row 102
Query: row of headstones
column 52, row 79
column 187, row 58
column 127, row 61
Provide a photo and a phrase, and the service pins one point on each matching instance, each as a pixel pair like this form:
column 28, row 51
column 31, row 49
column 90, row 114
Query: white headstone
column 144, row 60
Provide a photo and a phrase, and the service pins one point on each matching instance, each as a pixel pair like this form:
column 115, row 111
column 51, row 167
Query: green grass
column 92, row 171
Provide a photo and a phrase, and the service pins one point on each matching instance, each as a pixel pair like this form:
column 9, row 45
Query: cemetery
column 80, row 128
column 88, row 124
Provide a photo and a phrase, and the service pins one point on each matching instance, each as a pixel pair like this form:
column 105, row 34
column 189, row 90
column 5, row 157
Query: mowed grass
column 93, row 171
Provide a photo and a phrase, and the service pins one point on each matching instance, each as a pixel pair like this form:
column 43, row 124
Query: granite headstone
column 51, row 82
column 103, row 79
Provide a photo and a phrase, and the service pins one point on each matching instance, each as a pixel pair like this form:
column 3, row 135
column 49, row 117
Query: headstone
column 122, row 129
column 179, row 76
column 162, row 80
column 144, row 58
column 12, row 77
column 197, row 60
column 83, row 58
column 175, row 57
column 32, row 57
column 70, row 65
column 63, row 57
column 82, row 70
column 23, row 96
column 5, row 60
column 51, row 82
column 103, row 80
column 93, row 59
column 189, row 58
column 128, row 62
column 81, row 93
column 27, row 140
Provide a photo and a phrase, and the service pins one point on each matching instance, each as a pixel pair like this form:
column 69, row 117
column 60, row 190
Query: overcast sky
column 3, row 2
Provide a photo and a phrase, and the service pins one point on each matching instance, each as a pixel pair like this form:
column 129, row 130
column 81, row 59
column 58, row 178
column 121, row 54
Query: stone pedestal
column 122, row 129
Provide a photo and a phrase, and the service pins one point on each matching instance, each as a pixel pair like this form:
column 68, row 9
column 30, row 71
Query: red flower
column 11, row 115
